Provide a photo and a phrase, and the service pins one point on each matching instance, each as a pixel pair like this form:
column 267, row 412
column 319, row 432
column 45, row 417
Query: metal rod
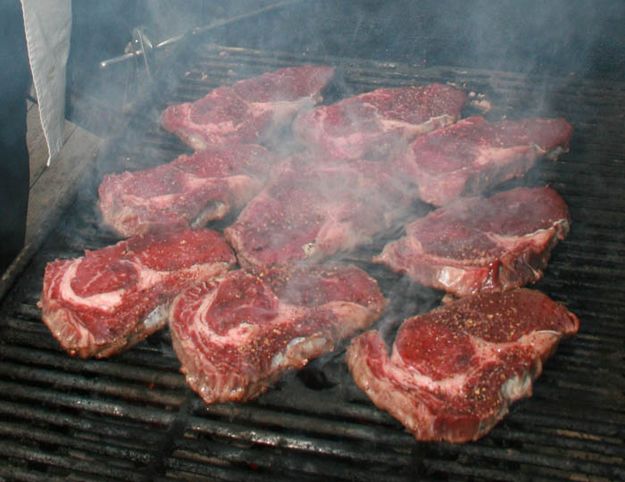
column 198, row 30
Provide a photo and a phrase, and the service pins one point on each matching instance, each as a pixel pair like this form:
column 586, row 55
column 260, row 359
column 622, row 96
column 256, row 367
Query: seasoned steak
column 482, row 244
column 187, row 192
column 237, row 335
column 248, row 110
column 112, row 298
column 309, row 212
column 454, row 371
column 378, row 122
column 473, row 155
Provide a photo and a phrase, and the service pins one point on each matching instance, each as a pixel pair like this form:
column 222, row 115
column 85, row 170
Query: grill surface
column 132, row 417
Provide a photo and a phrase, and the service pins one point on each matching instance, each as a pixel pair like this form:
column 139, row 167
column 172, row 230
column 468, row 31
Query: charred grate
column 132, row 417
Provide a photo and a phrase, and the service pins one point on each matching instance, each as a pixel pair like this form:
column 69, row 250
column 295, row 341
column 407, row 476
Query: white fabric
column 48, row 25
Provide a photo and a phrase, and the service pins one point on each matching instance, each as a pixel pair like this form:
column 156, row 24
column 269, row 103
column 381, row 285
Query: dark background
column 578, row 38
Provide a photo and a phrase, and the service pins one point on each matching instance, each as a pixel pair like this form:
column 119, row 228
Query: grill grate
column 131, row 417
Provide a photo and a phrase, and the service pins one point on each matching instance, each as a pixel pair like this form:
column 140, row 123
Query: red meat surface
column 112, row 298
column 473, row 155
column 454, row 371
column 248, row 110
column 310, row 212
column 187, row 192
column 237, row 335
column 377, row 123
column 482, row 244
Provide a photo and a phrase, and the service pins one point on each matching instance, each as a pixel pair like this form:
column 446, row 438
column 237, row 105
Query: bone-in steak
column 237, row 335
column 473, row 155
column 110, row 299
column 482, row 244
column 454, row 372
column 309, row 212
column 376, row 123
column 189, row 191
column 248, row 110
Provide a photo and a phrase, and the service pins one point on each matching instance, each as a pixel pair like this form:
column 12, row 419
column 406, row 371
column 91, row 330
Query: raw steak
column 309, row 212
column 454, row 371
column 482, row 244
column 378, row 122
column 114, row 297
column 189, row 191
column 248, row 110
column 237, row 335
column 473, row 155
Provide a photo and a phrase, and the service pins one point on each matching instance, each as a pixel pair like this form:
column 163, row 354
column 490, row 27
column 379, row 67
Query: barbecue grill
column 131, row 417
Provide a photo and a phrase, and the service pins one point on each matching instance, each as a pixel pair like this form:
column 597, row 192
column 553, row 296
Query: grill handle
column 138, row 49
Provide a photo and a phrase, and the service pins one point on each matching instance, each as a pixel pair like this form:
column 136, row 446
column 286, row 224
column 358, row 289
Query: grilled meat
column 376, row 123
column 250, row 109
column 190, row 191
column 112, row 298
column 482, row 244
column 473, row 155
column 310, row 211
column 235, row 336
column 454, row 371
